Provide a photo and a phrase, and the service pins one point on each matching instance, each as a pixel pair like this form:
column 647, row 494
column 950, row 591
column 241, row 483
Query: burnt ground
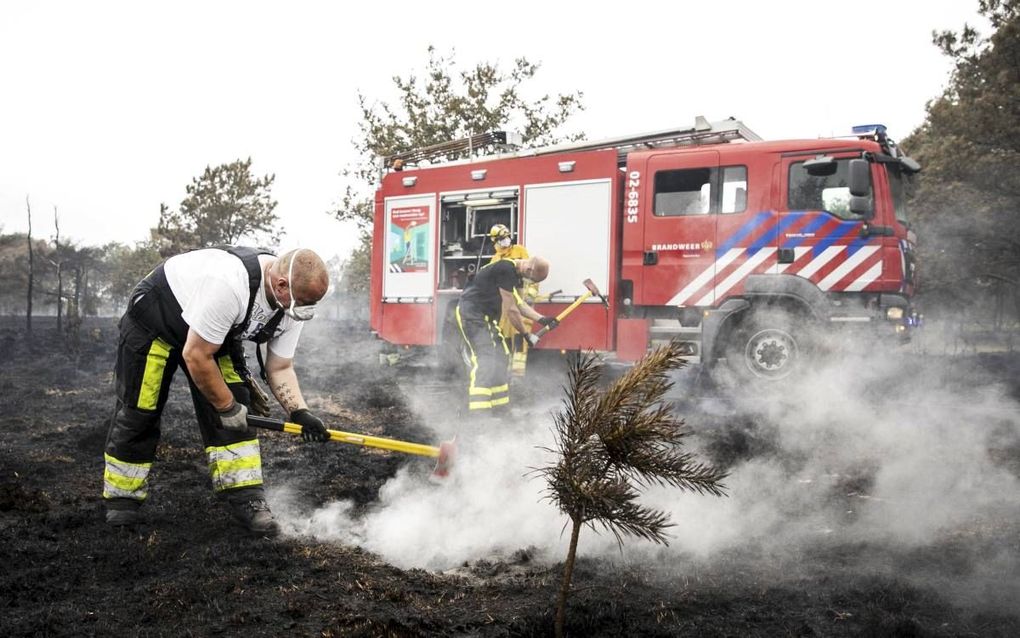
column 187, row 572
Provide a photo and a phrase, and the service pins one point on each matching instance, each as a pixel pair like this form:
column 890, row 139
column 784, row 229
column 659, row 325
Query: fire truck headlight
column 895, row 313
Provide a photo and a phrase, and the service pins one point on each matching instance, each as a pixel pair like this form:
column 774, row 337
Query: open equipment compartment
column 464, row 241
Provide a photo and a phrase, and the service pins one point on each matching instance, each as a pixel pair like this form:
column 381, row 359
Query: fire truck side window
column 734, row 189
column 822, row 192
column 683, row 192
column 695, row 191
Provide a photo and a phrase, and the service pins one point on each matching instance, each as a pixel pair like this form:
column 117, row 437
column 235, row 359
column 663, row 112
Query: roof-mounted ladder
column 455, row 148
column 703, row 132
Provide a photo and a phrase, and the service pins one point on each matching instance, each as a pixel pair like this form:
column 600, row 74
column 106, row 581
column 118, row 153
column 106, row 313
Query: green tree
column 226, row 204
column 26, row 264
column 122, row 267
column 609, row 443
column 442, row 104
column 356, row 271
column 967, row 202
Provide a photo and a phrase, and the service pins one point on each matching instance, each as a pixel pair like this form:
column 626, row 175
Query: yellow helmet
column 499, row 231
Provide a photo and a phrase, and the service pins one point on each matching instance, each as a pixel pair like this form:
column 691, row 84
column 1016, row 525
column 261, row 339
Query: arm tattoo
column 286, row 395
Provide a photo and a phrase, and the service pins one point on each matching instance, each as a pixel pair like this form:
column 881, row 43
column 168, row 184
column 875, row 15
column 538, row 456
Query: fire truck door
column 819, row 239
column 682, row 195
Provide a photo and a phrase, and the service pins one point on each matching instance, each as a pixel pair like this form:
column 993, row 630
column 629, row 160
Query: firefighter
column 506, row 249
column 193, row 311
column 503, row 244
column 492, row 293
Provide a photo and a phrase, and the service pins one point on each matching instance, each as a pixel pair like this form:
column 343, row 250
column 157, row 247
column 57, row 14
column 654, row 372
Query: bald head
column 309, row 279
column 535, row 268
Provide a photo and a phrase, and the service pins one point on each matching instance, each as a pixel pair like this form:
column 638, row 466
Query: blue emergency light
column 869, row 130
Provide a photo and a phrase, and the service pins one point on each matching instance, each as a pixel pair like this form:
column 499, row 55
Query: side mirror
column 910, row 165
column 860, row 205
column 821, row 166
column 859, row 180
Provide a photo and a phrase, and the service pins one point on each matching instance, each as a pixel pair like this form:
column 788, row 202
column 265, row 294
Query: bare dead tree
column 609, row 443
column 60, row 274
column 31, row 270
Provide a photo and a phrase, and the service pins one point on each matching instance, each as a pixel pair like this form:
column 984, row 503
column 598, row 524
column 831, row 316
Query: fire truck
column 754, row 254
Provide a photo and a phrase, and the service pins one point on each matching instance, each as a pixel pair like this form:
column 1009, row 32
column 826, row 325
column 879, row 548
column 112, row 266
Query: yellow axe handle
column 566, row 311
column 349, row 437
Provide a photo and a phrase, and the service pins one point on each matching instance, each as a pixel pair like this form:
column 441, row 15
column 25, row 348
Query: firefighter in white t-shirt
column 193, row 311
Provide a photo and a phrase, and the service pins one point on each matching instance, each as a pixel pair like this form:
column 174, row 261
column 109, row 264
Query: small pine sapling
column 611, row 442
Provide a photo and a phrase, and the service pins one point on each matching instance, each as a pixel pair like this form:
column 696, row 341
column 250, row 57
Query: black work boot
column 122, row 512
column 254, row 515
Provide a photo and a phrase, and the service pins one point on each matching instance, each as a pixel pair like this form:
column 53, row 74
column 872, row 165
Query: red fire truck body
column 739, row 247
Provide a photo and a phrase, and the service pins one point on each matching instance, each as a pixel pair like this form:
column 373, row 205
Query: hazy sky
column 109, row 108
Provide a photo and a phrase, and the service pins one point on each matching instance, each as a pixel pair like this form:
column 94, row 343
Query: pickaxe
column 444, row 454
column 592, row 290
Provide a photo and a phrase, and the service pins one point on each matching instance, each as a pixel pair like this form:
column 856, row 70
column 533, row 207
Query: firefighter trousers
column 488, row 362
column 145, row 367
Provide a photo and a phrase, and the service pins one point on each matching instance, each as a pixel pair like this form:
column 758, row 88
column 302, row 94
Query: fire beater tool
column 592, row 290
column 444, row 453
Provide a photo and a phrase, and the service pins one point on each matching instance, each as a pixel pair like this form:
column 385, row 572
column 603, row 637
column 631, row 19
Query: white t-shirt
column 211, row 285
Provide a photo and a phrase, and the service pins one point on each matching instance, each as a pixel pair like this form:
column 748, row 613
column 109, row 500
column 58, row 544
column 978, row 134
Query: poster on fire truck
column 407, row 260
column 409, row 239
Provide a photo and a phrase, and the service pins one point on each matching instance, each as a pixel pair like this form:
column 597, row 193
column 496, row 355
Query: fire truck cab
column 750, row 252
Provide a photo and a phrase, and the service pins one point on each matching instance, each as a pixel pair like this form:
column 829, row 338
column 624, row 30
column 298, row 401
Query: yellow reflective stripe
column 480, row 391
column 517, row 297
column 474, row 359
column 227, row 370
column 501, row 388
column 125, row 480
column 502, row 401
column 479, row 405
column 152, row 379
column 235, row 465
column 227, row 453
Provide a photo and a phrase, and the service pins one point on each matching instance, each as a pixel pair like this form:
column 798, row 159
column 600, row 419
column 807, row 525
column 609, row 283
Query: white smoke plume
column 489, row 507
column 864, row 450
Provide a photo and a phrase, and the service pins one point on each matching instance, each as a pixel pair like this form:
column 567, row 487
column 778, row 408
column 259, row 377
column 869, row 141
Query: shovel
column 592, row 290
column 444, row 454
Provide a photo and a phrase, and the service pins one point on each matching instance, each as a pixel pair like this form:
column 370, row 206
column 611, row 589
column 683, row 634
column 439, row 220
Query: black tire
column 769, row 346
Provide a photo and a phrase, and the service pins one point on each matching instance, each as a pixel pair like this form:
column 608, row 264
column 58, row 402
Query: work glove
column 312, row 428
column 259, row 398
column 234, row 418
column 532, row 338
column 549, row 322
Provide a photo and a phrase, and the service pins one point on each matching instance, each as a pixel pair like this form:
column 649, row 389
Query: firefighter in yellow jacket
column 506, row 249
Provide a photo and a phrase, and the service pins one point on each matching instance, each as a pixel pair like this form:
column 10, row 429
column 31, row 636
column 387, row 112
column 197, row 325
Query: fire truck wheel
column 768, row 346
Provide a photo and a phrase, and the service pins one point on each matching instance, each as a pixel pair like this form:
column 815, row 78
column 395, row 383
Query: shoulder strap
column 250, row 258
column 262, row 336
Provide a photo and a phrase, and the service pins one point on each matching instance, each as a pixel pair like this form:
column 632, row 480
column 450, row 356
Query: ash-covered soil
column 188, row 572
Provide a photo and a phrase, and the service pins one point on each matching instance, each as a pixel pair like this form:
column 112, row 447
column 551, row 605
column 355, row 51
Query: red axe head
column 590, row 285
column 444, row 463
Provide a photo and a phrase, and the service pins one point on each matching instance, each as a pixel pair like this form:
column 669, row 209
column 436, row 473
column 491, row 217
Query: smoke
column 490, row 506
column 902, row 453
column 905, row 460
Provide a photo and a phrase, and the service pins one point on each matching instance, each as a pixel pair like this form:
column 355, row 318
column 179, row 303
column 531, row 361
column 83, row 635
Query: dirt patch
column 187, row 571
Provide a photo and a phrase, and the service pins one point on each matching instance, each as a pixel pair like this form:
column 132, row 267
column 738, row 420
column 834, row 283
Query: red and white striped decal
column 832, row 267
